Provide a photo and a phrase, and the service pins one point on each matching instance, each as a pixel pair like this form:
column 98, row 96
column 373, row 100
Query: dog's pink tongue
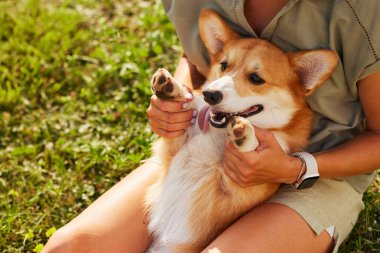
column 203, row 118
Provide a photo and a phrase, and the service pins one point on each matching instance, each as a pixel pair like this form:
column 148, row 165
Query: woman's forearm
column 360, row 155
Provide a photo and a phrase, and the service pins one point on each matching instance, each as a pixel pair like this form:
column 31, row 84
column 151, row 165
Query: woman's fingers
column 171, row 127
column 167, row 105
column 156, row 114
column 169, row 119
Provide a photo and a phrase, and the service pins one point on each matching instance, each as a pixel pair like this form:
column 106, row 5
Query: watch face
column 308, row 182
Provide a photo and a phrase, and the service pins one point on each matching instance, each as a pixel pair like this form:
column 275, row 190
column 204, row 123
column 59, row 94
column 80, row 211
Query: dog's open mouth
column 220, row 119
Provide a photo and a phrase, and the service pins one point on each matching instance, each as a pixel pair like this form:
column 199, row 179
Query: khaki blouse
column 350, row 27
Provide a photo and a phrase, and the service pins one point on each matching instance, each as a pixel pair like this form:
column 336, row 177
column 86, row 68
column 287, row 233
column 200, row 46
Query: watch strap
column 311, row 173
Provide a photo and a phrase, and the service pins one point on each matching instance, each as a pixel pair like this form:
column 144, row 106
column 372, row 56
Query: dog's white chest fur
column 172, row 197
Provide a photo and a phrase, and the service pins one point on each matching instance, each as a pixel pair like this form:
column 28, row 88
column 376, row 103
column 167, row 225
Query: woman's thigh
column 270, row 228
column 115, row 222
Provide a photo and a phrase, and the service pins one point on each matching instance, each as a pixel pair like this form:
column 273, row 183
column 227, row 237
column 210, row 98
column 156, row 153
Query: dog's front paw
column 166, row 87
column 242, row 134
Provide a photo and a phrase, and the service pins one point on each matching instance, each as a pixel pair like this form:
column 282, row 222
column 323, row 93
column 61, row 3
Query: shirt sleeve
column 365, row 14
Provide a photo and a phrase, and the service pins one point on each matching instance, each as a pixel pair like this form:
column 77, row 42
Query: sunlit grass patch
column 74, row 88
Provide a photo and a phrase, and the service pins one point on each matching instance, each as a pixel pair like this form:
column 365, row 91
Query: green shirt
column 350, row 27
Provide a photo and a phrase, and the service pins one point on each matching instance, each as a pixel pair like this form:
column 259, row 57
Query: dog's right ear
column 214, row 31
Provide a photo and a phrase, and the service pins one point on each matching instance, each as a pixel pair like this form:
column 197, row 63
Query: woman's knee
column 114, row 222
column 68, row 240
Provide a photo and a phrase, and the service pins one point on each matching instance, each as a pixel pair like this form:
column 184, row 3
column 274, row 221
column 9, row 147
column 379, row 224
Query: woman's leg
column 271, row 228
column 113, row 223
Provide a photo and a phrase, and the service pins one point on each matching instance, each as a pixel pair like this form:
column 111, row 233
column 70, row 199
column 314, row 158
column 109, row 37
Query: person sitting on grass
column 345, row 142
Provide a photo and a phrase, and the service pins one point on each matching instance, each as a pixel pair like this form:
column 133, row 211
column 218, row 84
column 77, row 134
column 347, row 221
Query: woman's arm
column 362, row 154
column 270, row 164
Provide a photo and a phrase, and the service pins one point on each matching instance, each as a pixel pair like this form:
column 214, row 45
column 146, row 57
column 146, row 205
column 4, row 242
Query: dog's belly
column 195, row 200
column 173, row 197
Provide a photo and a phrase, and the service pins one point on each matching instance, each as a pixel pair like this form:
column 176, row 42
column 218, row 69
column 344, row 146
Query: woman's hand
column 170, row 119
column 268, row 163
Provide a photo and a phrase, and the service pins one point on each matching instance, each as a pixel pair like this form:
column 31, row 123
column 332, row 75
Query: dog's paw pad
column 165, row 86
column 237, row 130
column 242, row 134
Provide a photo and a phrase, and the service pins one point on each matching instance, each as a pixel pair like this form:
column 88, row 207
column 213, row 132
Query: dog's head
column 254, row 79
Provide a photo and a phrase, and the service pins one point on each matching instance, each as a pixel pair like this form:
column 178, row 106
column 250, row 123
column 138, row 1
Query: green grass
column 365, row 237
column 74, row 88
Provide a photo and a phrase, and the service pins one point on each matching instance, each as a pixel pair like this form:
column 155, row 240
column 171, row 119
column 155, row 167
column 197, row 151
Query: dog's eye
column 255, row 79
column 223, row 66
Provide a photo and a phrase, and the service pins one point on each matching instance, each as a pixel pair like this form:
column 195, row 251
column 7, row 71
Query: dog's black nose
column 212, row 97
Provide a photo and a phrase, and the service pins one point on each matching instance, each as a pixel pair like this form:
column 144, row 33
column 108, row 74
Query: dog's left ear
column 313, row 67
column 214, row 31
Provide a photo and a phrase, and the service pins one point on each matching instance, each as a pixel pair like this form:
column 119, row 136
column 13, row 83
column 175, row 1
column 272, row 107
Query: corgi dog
column 250, row 82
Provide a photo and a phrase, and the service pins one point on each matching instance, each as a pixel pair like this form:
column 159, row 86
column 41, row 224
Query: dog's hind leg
column 242, row 134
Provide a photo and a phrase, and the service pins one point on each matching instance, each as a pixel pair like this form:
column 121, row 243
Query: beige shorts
column 332, row 205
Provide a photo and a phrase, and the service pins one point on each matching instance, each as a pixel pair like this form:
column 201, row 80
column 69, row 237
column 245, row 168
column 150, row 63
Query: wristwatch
column 311, row 174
